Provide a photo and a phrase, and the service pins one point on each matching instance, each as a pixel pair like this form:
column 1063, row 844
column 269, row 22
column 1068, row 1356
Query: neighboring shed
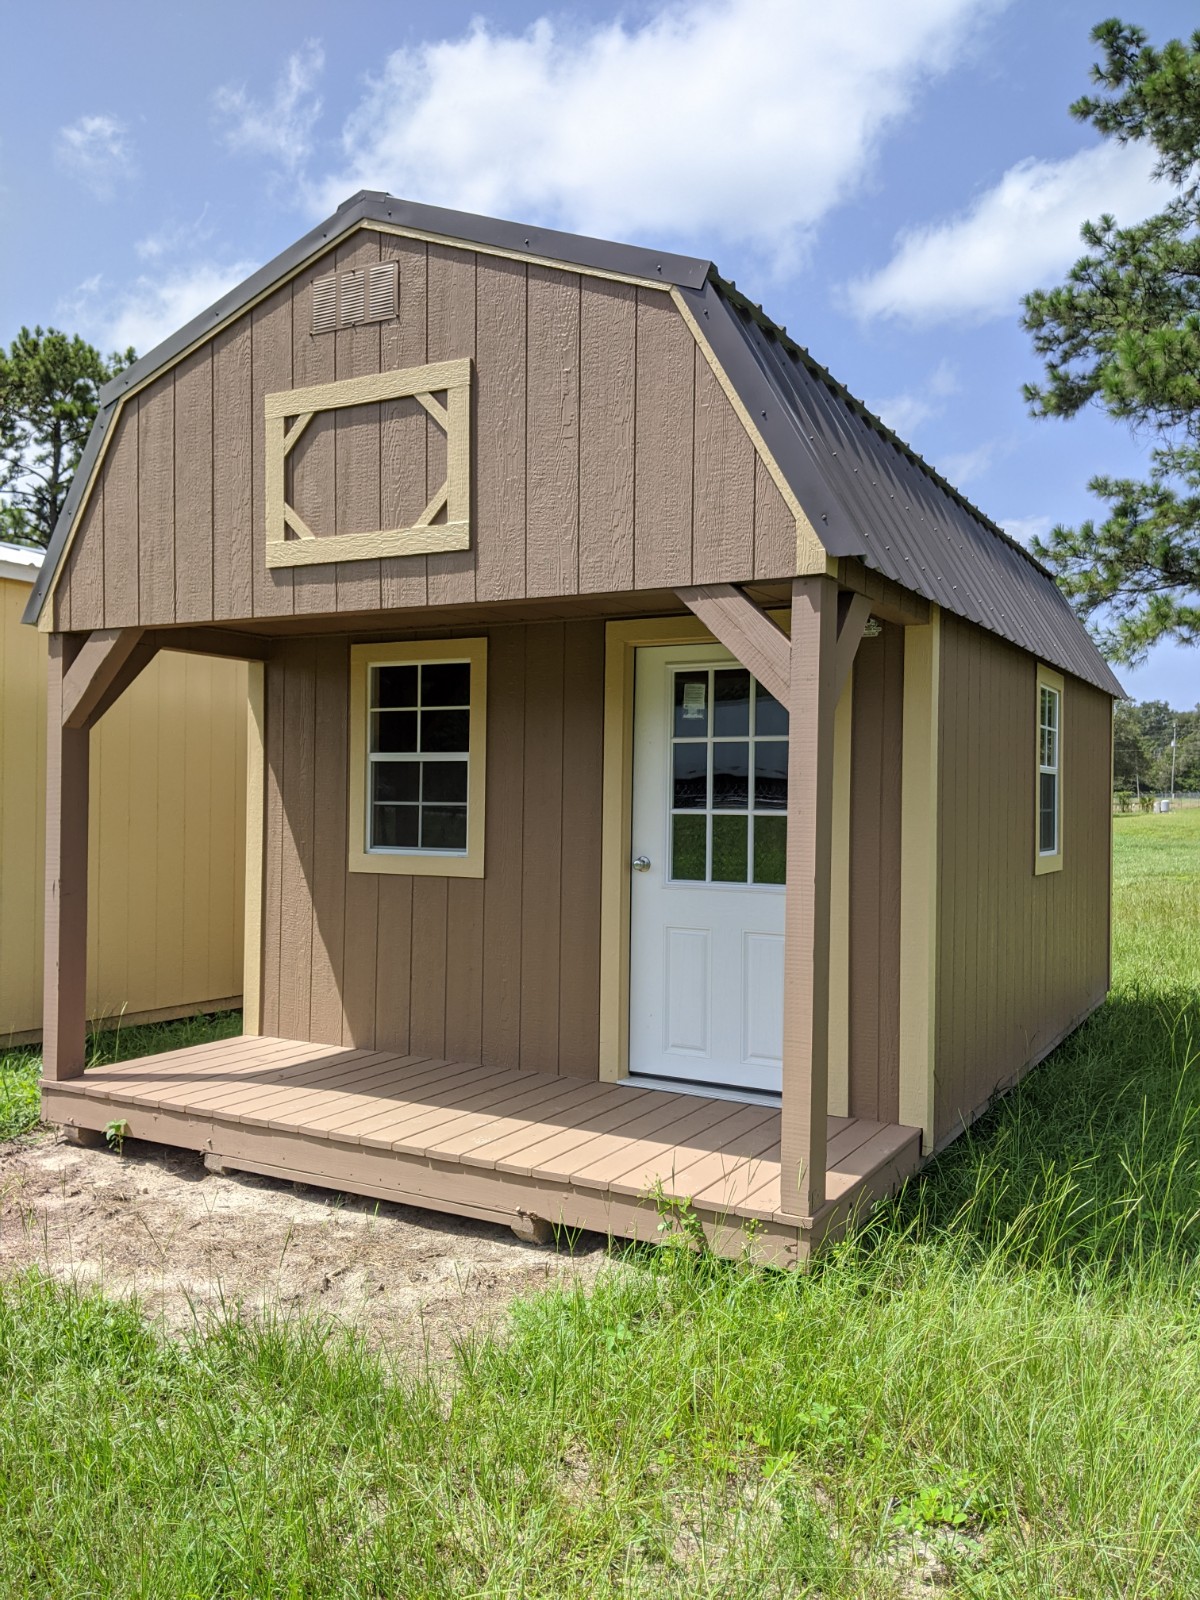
column 665, row 778
column 167, row 832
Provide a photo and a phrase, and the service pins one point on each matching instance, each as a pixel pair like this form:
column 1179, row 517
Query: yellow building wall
column 167, row 837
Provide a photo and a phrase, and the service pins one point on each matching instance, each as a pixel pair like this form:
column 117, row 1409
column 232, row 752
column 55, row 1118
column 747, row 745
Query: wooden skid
column 485, row 1142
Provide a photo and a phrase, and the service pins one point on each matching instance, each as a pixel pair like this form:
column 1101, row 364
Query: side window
column 417, row 757
column 1048, row 806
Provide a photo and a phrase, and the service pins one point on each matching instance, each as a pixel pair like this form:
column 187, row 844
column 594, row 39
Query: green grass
column 1002, row 1373
column 21, row 1066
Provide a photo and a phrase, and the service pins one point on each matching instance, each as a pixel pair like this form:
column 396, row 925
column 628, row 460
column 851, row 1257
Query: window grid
column 755, row 854
column 1048, row 766
column 417, row 799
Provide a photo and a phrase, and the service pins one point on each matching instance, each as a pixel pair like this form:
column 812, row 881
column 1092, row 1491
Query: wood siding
column 167, row 825
column 875, row 786
column 504, row 970
column 1021, row 958
column 607, row 456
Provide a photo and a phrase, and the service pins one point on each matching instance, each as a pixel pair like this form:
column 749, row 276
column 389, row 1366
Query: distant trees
column 1142, row 747
column 50, row 386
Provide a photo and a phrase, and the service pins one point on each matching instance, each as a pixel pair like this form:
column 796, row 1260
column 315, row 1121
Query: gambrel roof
column 865, row 493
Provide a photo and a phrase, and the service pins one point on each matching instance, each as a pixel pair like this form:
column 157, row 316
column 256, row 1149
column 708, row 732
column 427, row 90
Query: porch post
column 806, row 928
column 64, row 1012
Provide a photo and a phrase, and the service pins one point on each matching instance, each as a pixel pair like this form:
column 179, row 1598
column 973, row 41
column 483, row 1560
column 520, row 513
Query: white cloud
column 906, row 413
column 966, row 466
column 97, row 150
column 1026, row 529
column 282, row 126
column 173, row 238
column 1021, row 233
column 150, row 309
column 744, row 120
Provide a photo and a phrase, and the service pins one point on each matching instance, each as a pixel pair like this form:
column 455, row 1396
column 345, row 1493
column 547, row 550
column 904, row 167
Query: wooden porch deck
column 520, row 1148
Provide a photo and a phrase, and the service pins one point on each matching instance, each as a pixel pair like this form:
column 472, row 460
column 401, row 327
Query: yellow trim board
column 811, row 556
column 1049, row 679
column 414, row 863
column 255, row 851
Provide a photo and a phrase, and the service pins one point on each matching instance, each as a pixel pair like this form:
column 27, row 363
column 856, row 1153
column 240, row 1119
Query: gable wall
column 1021, row 958
column 606, row 456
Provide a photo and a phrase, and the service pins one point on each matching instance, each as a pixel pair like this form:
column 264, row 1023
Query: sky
column 887, row 177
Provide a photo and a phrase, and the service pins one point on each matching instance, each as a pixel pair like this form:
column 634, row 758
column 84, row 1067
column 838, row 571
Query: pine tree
column 1123, row 332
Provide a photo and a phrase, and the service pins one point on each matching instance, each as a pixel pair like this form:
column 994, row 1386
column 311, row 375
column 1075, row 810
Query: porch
column 526, row 1149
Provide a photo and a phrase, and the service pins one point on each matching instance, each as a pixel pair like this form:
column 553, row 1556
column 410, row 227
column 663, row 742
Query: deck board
column 485, row 1141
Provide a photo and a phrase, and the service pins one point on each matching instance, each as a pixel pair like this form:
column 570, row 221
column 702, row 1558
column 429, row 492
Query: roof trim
column 368, row 206
column 435, row 222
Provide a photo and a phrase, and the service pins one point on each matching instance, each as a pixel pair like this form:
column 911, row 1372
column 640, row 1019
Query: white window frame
column 1048, row 682
column 414, row 861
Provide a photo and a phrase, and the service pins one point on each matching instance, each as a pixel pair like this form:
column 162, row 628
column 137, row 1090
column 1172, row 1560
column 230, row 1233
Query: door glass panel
column 731, row 768
column 770, row 775
column 691, row 705
column 770, row 718
column 731, row 703
column 689, row 780
column 689, row 848
column 770, row 849
column 729, row 849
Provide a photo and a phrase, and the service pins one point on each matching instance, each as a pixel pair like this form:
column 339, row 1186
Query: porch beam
column 226, row 642
column 746, row 632
column 99, row 662
column 854, row 612
column 64, row 1010
column 812, row 703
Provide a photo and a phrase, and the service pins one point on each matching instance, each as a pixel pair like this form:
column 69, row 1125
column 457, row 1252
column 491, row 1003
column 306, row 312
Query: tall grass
column 996, row 1384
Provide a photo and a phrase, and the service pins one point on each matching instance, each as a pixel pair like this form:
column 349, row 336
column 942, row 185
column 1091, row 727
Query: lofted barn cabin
column 661, row 781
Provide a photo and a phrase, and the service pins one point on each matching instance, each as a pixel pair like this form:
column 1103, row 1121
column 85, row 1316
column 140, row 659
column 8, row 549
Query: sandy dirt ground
column 152, row 1222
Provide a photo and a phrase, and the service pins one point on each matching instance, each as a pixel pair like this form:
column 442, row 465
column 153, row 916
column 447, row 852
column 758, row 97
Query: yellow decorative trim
column 423, row 237
column 1048, row 678
column 424, row 536
column 415, row 863
column 839, row 907
column 811, row 556
column 919, row 875
column 255, row 825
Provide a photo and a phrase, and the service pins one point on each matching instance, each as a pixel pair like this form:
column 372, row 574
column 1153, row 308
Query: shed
column 166, row 827
column 666, row 783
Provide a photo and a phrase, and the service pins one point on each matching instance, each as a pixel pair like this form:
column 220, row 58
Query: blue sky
column 886, row 176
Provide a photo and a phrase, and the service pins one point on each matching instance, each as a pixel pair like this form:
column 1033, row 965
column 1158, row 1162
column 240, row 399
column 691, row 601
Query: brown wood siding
column 875, row 770
column 1021, row 958
column 606, row 455
column 503, row 969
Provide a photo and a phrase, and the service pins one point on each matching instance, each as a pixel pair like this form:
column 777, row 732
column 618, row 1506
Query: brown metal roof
column 869, row 495
column 866, row 493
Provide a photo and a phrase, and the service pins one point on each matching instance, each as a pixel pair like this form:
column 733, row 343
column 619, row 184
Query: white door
column 709, row 847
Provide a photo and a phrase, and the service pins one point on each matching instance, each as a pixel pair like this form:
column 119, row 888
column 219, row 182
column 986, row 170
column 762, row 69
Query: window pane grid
column 728, row 779
column 1048, row 735
column 418, row 751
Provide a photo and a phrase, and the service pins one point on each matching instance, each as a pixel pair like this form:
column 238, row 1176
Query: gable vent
column 382, row 291
column 352, row 297
column 324, row 304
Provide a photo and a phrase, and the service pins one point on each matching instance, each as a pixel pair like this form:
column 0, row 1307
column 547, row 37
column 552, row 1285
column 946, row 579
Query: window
column 1048, row 855
column 417, row 732
column 729, row 762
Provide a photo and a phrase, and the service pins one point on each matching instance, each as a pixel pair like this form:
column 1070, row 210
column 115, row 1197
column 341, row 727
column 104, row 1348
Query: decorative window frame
column 416, row 862
column 1047, row 678
column 298, row 407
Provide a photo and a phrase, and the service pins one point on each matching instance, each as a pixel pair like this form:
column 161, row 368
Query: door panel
column 709, row 823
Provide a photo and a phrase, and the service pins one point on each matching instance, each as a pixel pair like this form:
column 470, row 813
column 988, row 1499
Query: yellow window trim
column 1047, row 678
column 417, row 864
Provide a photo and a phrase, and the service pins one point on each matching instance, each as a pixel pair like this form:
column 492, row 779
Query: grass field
column 997, row 1386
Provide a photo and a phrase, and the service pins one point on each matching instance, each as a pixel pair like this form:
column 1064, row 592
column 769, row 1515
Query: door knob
column 641, row 863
